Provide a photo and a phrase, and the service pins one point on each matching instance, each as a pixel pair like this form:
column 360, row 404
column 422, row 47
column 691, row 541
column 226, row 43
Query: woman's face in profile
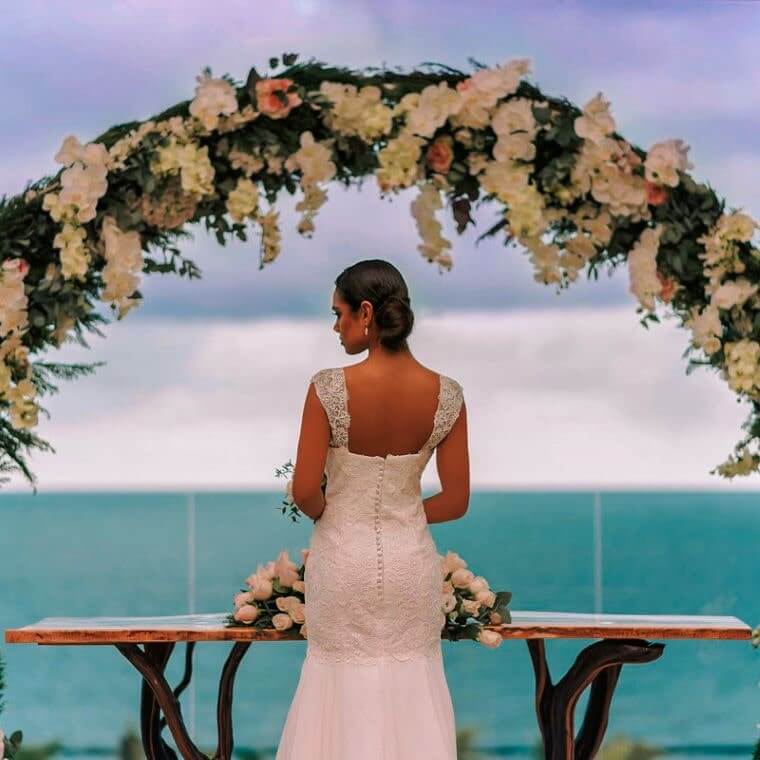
column 349, row 325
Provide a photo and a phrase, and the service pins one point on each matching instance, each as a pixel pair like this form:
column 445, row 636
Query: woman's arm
column 453, row 464
column 311, row 457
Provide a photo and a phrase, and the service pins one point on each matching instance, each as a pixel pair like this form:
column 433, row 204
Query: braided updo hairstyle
column 380, row 283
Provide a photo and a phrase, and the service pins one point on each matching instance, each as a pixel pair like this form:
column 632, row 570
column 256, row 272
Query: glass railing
column 137, row 554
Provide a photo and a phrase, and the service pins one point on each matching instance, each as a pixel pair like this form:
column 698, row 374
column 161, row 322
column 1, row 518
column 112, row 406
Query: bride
column 372, row 684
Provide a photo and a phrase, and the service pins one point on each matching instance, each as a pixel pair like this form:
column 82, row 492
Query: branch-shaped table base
column 157, row 696
column 599, row 665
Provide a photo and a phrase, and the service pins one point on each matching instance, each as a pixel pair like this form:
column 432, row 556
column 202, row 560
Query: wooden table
column 622, row 641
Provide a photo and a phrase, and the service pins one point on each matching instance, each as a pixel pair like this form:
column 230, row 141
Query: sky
column 204, row 382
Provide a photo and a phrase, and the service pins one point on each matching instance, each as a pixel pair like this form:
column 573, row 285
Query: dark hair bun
column 394, row 319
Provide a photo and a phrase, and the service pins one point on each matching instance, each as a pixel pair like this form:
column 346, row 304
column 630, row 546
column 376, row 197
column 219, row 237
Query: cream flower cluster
column 313, row 159
column 355, row 111
column 399, row 162
column 13, row 298
column 13, row 322
column 424, row 206
column 270, row 236
column 83, row 183
column 243, row 201
column 457, row 577
column 642, row 267
column 742, row 367
column 124, row 262
column 314, row 197
column 213, row 98
column 190, row 160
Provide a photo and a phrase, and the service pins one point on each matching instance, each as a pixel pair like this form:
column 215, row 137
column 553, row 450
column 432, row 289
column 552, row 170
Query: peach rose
column 282, row 621
column 440, row 155
column 489, row 638
column 495, row 618
column 449, row 603
column 303, row 631
column 246, row 614
column 299, row 586
column 669, row 287
column 471, row 606
column 656, row 194
column 272, row 104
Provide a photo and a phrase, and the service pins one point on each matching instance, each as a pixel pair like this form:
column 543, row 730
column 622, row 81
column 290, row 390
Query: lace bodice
column 373, row 575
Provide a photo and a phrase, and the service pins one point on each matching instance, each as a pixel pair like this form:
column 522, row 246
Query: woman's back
column 391, row 409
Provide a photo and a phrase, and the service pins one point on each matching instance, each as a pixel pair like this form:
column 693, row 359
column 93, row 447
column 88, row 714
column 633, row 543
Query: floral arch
column 568, row 189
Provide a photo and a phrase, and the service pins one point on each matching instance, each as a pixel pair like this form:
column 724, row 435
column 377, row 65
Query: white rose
column 298, row 613
column 478, row 584
column 462, row 577
column 449, row 603
column 489, row 638
column 282, row 621
column 246, row 614
column 244, row 597
column 261, row 588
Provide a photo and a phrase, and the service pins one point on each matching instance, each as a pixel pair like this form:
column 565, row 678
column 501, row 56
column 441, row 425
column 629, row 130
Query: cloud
column 581, row 398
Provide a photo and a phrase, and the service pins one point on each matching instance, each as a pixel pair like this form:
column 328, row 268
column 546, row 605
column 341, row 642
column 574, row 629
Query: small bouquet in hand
column 466, row 596
column 286, row 471
column 274, row 596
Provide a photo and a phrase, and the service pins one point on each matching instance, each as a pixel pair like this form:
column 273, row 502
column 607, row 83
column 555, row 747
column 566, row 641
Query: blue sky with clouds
column 670, row 69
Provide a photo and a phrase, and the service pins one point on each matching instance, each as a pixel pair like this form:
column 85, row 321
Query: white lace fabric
column 373, row 578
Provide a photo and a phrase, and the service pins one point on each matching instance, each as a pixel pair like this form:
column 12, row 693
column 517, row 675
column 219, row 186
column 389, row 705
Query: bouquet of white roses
column 275, row 597
column 465, row 596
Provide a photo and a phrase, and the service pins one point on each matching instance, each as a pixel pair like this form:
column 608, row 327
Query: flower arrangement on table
column 275, row 597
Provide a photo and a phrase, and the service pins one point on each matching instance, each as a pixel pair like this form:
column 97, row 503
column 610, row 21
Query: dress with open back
column 372, row 685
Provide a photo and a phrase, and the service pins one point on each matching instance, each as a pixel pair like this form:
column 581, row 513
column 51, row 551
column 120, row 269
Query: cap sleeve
column 328, row 383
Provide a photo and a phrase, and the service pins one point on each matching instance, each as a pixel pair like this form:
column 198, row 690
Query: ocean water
column 664, row 552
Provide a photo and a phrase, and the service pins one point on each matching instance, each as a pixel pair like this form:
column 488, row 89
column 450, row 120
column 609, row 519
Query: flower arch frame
column 572, row 192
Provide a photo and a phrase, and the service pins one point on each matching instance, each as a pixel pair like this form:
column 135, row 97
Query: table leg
column 598, row 665
column 157, row 697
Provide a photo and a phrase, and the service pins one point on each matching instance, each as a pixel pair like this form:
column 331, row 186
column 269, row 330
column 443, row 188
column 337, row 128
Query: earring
column 366, row 331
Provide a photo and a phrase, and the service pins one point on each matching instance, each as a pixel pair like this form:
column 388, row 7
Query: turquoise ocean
column 143, row 554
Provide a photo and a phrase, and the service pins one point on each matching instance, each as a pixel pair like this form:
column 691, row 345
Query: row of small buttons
column 378, row 540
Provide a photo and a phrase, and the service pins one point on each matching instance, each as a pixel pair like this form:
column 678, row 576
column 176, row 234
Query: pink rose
column 269, row 97
column 440, row 155
column 282, row 621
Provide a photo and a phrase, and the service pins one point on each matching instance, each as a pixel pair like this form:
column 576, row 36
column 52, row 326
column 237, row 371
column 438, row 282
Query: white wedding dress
column 372, row 684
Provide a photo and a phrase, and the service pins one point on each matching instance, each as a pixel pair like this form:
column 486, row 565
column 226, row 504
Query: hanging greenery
column 567, row 189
